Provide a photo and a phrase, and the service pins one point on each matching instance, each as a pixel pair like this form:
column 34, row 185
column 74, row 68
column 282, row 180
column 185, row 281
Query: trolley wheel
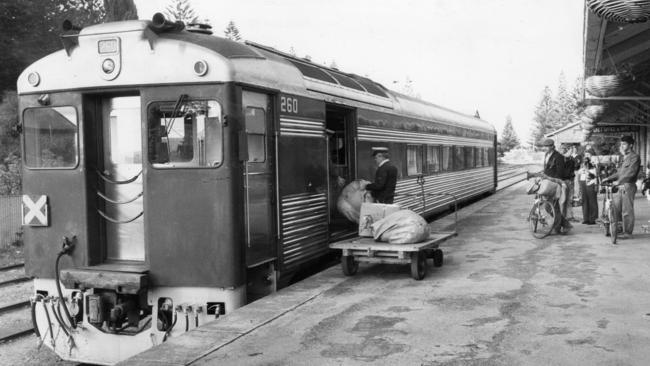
column 418, row 265
column 542, row 219
column 349, row 265
column 613, row 224
column 437, row 258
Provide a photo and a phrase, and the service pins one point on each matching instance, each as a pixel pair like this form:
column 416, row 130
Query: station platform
column 501, row 298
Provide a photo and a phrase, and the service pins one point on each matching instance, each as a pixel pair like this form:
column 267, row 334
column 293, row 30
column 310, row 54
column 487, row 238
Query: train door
column 338, row 124
column 259, row 177
column 120, row 189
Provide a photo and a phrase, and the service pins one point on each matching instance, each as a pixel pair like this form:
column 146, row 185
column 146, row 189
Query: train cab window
column 50, row 137
column 433, row 159
column 185, row 134
column 491, row 156
column 256, row 134
column 413, row 160
column 459, row 158
column 447, row 159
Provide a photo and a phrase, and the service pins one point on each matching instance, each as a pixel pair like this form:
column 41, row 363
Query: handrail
column 119, row 202
column 102, row 214
column 109, row 180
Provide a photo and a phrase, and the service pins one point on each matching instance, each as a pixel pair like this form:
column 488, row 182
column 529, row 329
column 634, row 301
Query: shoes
column 591, row 223
column 584, row 223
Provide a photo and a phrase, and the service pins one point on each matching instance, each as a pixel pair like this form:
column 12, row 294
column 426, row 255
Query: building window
column 413, row 160
column 433, row 159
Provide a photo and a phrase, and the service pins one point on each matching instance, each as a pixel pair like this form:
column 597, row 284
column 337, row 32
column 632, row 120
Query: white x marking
column 34, row 210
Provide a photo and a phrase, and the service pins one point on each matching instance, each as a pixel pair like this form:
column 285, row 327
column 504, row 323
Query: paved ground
column 501, row 298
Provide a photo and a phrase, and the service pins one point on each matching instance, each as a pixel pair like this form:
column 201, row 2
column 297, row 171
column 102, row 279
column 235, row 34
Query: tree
column 232, row 32
column 10, row 164
column 30, row 29
column 545, row 116
column 509, row 139
column 181, row 10
column 117, row 10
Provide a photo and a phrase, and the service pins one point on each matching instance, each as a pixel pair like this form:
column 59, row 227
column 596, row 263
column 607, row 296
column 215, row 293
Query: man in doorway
column 625, row 179
column 554, row 171
column 383, row 188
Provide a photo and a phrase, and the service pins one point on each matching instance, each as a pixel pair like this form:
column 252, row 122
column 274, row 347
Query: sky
column 494, row 56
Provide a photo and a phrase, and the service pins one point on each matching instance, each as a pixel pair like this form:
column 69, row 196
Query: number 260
column 288, row 105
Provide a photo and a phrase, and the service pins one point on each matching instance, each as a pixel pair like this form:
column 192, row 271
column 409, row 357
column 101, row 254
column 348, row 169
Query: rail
column 17, row 329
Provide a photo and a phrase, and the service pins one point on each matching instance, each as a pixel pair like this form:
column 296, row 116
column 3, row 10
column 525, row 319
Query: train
column 171, row 176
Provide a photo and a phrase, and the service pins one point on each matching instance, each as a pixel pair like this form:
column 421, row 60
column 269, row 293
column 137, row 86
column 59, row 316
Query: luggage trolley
column 361, row 249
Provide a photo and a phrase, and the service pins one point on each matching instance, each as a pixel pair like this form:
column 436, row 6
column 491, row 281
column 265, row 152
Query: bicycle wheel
column 613, row 224
column 542, row 219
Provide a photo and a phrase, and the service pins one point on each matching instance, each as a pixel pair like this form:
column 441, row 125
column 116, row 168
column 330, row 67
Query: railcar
column 171, row 176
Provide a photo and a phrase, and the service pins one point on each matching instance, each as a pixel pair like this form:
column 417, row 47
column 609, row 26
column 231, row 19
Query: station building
column 617, row 46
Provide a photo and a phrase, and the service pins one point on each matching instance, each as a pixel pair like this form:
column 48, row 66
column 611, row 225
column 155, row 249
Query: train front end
column 130, row 185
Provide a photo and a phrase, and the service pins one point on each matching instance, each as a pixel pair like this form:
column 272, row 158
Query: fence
column 10, row 219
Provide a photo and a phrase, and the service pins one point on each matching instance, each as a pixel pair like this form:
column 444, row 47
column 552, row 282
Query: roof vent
column 199, row 28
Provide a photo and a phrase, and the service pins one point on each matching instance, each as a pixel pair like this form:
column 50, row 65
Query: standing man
column 625, row 178
column 554, row 169
column 383, row 188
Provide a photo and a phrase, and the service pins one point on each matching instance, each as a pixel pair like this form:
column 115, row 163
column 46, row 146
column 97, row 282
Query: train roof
column 158, row 57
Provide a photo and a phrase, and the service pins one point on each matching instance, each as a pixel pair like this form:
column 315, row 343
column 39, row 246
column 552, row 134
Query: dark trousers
column 589, row 202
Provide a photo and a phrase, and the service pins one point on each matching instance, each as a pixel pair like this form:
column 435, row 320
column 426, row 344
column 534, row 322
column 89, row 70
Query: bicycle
column 543, row 217
column 609, row 220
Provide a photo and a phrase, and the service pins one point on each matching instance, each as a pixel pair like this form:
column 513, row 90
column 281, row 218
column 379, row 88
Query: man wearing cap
column 625, row 178
column 554, row 169
column 383, row 188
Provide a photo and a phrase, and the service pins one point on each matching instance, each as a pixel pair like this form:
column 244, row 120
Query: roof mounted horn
column 160, row 24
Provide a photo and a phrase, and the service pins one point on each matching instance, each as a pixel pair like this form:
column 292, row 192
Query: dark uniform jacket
column 629, row 169
column 383, row 188
column 554, row 166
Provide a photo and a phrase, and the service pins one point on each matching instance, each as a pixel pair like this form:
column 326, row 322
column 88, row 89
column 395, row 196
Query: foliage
column 509, row 139
column 232, row 32
column 116, row 10
column 30, row 29
column 554, row 112
column 181, row 10
column 10, row 164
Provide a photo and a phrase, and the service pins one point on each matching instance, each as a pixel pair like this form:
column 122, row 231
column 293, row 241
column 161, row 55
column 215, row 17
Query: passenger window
column 469, row 157
column 413, row 160
column 491, row 156
column 459, row 158
column 486, row 155
column 433, row 159
column 447, row 159
column 185, row 134
column 50, row 137
column 256, row 134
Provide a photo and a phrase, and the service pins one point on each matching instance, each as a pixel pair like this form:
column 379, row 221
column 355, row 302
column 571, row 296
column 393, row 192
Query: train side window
column 413, row 160
column 447, row 159
column 50, row 137
column 433, row 159
column 256, row 134
column 485, row 157
column 186, row 134
column 459, row 158
column 469, row 157
column 491, row 156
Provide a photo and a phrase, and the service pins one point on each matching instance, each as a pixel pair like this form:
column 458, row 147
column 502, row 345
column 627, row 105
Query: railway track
column 508, row 175
column 15, row 288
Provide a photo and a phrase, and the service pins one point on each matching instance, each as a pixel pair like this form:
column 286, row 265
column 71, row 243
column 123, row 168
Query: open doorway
column 341, row 158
